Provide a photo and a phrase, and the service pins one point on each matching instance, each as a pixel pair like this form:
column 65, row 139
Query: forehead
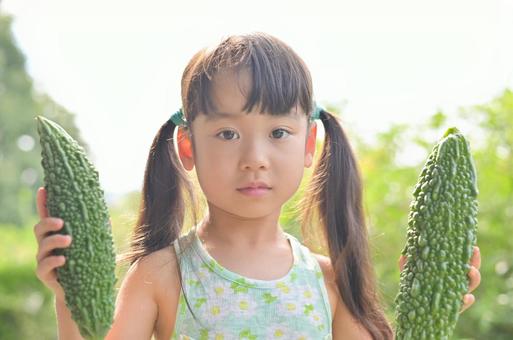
column 229, row 92
column 229, row 95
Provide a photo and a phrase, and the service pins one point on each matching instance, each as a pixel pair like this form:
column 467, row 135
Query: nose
column 254, row 156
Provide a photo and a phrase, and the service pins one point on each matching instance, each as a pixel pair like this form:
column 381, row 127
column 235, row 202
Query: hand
column 46, row 263
column 473, row 274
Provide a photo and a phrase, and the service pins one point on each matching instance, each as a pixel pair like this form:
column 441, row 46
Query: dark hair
column 280, row 80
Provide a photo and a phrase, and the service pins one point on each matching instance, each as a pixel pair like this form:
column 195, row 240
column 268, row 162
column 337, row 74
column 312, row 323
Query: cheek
column 294, row 174
column 291, row 169
column 212, row 181
column 214, row 159
column 213, row 167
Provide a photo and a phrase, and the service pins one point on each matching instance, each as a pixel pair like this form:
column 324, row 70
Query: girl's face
column 233, row 150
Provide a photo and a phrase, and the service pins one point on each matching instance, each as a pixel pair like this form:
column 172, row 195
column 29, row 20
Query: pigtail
column 336, row 191
column 162, row 207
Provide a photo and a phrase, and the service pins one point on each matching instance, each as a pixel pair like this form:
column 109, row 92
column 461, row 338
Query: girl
column 248, row 129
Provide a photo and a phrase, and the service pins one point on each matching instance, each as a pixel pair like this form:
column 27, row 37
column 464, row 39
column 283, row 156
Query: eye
column 226, row 133
column 281, row 132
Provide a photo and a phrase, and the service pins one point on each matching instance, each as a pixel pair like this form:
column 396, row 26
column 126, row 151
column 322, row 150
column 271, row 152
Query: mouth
column 255, row 185
column 254, row 192
column 255, row 189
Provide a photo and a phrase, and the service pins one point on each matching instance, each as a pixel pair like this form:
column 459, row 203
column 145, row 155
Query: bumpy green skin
column 442, row 228
column 74, row 194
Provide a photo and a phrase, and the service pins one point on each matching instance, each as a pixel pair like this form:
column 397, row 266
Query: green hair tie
column 316, row 113
column 178, row 119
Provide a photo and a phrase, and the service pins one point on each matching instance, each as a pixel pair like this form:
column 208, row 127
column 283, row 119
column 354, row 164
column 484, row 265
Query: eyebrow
column 215, row 115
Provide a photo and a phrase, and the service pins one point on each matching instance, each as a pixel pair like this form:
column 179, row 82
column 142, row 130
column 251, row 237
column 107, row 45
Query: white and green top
column 230, row 306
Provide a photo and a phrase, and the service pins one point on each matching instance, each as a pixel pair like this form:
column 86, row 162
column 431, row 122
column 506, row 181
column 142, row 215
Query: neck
column 222, row 227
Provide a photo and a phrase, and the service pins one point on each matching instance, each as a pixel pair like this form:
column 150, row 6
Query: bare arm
column 67, row 328
column 345, row 327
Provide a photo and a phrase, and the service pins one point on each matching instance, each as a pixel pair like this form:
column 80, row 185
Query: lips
column 255, row 185
column 254, row 192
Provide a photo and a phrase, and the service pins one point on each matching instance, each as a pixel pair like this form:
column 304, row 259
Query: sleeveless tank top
column 230, row 306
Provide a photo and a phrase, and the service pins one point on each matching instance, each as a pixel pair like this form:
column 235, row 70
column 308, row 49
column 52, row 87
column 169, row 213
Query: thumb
column 41, row 203
column 402, row 262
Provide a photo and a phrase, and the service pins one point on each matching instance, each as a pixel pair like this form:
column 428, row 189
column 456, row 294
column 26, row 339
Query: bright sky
column 117, row 65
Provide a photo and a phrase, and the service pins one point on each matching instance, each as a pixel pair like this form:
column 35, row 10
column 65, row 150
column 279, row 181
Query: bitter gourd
column 442, row 226
column 74, row 195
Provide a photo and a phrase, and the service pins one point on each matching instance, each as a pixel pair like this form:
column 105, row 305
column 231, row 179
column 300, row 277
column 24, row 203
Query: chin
column 244, row 211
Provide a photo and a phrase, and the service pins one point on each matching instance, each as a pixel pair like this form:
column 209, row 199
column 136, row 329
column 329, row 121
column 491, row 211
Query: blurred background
column 398, row 73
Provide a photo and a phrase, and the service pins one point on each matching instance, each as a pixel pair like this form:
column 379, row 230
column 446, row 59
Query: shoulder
column 159, row 269
column 155, row 273
column 325, row 264
column 329, row 280
column 344, row 325
column 153, row 268
column 155, row 262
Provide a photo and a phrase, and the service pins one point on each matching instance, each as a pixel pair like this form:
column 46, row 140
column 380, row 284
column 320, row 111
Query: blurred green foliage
column 20, row 163
column 389, row 174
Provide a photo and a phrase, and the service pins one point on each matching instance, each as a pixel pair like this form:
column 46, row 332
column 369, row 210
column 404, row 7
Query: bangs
column 280, row 79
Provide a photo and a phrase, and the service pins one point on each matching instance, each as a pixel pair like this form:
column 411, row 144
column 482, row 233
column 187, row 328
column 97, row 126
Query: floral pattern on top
column 227, row 305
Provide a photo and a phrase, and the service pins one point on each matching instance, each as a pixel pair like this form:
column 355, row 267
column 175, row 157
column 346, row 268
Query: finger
column 46, row 225
column 41, row 203
column 50, row 243
column 475, row 260
column 45, row 270
column 468, row 300
column 475, row 278
column 402, row 262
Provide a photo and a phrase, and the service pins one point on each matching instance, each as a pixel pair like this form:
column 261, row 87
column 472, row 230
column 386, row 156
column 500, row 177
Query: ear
column 185, row 149
column 310, row 145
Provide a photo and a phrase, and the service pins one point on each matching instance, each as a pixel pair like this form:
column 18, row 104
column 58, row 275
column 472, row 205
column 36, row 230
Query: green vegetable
column 74, row 195
column 442, row 228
